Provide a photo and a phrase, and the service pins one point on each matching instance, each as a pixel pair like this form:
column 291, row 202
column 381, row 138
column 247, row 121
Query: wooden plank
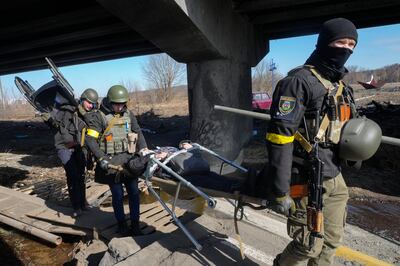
column 93, row 218
column 27, row 228
column 36, row 223
column 4, row 196
column 166, row 224
column 162, row 222
column 37, row 211
column 169, row 228
column 8, row 203
column 151, row 212
column 57, row 229
column 96, row 202
column 94, row 191
column 170, row 184
column 156, row 217
column 146, row 207
column 21, row 196
column 21, row 208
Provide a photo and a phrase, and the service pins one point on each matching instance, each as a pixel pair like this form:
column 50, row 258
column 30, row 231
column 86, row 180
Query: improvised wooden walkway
column 49, row 220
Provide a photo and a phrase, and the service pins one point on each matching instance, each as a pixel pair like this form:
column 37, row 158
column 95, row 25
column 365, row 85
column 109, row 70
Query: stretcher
column 207, row 186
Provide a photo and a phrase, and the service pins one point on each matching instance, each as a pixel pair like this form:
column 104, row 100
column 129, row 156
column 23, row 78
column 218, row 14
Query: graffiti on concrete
column 208, row 133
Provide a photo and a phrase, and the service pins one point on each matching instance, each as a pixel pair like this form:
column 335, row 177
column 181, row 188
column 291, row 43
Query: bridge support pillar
column 219, row 47
column 223, row 82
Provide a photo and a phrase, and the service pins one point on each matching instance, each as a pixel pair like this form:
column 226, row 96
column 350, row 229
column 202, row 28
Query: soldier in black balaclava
column 306, row 90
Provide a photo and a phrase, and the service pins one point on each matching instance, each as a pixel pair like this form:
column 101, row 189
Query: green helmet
column 117, row 94
column 360, row 139
column 90, row 95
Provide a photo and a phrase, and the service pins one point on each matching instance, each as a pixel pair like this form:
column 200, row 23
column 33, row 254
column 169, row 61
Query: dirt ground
column 27, row 155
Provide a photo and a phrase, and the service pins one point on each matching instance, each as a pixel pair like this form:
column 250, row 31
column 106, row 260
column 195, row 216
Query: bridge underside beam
column 219, row 47
column 27, row 26
column 289, row 18
column 70, row 32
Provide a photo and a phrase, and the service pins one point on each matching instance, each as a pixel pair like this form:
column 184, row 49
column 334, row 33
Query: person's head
column 118, row 97
column 89, row 99
column 337, row 29
column 336, row 41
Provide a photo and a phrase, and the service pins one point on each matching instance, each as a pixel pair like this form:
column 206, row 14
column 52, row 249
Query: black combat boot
column 135, row 228
column 123, row 228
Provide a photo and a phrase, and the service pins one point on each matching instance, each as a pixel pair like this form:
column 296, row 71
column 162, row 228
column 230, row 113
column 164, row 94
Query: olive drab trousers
column 298, row 252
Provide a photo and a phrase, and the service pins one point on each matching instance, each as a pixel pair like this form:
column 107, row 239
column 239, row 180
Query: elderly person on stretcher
column 187, row 162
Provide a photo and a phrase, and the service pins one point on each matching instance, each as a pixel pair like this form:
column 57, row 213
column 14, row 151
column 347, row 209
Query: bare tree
column 262, row 77
column 162, row 73
column 4, row 101
column 133, row 88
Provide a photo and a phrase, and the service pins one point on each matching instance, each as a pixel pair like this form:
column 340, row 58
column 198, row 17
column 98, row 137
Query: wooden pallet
column 153, row 217
column 53, row 218
column 16, row 205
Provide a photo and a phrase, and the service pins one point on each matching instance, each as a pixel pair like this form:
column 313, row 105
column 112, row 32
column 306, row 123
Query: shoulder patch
column 286, row 104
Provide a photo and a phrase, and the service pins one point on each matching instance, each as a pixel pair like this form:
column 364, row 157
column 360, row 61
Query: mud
column 380, row 218
column 21, row 249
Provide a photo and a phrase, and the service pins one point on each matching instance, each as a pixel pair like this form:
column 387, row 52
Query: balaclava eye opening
column 330, row 60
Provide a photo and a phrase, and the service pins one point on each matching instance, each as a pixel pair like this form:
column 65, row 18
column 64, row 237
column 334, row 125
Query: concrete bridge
column 219, row 40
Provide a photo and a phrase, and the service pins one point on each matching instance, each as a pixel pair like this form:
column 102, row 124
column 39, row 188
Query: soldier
column 114, row 136
column 67, row 121
column 88, row 102
column 316, row 86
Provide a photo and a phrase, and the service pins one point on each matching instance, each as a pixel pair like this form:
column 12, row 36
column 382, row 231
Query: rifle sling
column 329, row 86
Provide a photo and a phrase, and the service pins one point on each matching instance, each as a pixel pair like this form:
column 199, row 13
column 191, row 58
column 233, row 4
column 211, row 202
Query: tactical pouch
column 132, row 141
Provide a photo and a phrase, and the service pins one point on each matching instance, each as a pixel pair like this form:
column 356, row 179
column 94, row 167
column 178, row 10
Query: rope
column 239, row 207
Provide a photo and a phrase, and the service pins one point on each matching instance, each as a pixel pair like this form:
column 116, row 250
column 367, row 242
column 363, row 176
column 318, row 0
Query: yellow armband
column 92, row 133
column 279, row 139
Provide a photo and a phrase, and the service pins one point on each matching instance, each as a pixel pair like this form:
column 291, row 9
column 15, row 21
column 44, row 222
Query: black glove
column 283, row 205
column 103, row 163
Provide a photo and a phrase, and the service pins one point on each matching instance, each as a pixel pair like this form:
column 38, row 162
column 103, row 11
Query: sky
column 377, row 47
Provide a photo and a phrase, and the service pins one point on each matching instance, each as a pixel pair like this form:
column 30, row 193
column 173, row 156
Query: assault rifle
column 315, row 167
column 315, row 190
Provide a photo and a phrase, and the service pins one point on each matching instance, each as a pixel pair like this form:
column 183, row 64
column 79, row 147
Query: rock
column 91, row 253
column 119, row 249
